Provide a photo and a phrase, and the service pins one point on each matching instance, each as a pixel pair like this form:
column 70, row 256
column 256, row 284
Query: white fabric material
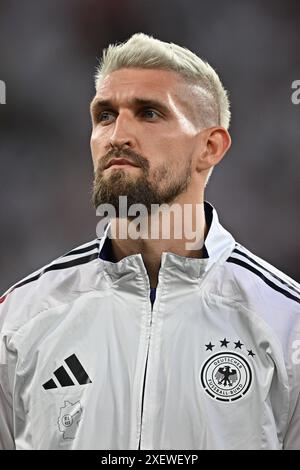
column 158, row 376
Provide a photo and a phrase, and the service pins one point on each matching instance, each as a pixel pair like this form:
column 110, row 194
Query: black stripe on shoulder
column 264, row 278
column 54, row 267
column 79, row 251
column 289, row 285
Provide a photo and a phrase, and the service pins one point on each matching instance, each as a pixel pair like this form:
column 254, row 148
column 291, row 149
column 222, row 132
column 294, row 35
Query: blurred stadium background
column 48, row 53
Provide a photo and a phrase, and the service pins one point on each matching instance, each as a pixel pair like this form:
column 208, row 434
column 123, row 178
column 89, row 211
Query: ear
column 213, row 144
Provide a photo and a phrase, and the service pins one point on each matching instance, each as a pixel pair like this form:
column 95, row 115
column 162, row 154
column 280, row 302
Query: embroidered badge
column 226, row 376
column 70, row 415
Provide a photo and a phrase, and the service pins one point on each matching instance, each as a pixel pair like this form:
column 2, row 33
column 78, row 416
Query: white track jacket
column 87, row 363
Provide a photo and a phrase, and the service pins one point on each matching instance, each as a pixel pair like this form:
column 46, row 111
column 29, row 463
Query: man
column 136, row 341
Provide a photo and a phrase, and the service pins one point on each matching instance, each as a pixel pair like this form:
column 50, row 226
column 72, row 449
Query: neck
column 181, row 230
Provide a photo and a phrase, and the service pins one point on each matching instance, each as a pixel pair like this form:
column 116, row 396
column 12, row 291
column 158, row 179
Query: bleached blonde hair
column 146, row 52
column 143, row 51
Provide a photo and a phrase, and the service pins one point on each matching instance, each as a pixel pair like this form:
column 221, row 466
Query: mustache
column 130, row 155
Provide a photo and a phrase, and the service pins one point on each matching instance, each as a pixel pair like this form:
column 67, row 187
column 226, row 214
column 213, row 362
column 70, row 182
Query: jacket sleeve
column 292, row 435
column 6, row 401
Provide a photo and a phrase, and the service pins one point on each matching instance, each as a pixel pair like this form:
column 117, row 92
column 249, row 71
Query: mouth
column 119, row 162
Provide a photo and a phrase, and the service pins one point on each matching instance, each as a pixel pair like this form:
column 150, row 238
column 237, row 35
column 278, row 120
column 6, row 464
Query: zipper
column 142, row 408
column 143, row 398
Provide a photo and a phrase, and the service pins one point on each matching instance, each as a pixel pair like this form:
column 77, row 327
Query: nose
column 123, row 134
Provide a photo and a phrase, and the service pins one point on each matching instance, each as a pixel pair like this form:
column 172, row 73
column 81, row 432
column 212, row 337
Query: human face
column 143, row 116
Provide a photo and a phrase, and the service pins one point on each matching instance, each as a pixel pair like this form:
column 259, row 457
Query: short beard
column 139, row 190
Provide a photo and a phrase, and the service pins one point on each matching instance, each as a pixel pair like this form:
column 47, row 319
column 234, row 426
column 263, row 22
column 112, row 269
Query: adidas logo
column 66, row 379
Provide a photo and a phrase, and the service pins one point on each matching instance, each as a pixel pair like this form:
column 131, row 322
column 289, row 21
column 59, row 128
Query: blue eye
column 104, row 116
column 149, row 113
